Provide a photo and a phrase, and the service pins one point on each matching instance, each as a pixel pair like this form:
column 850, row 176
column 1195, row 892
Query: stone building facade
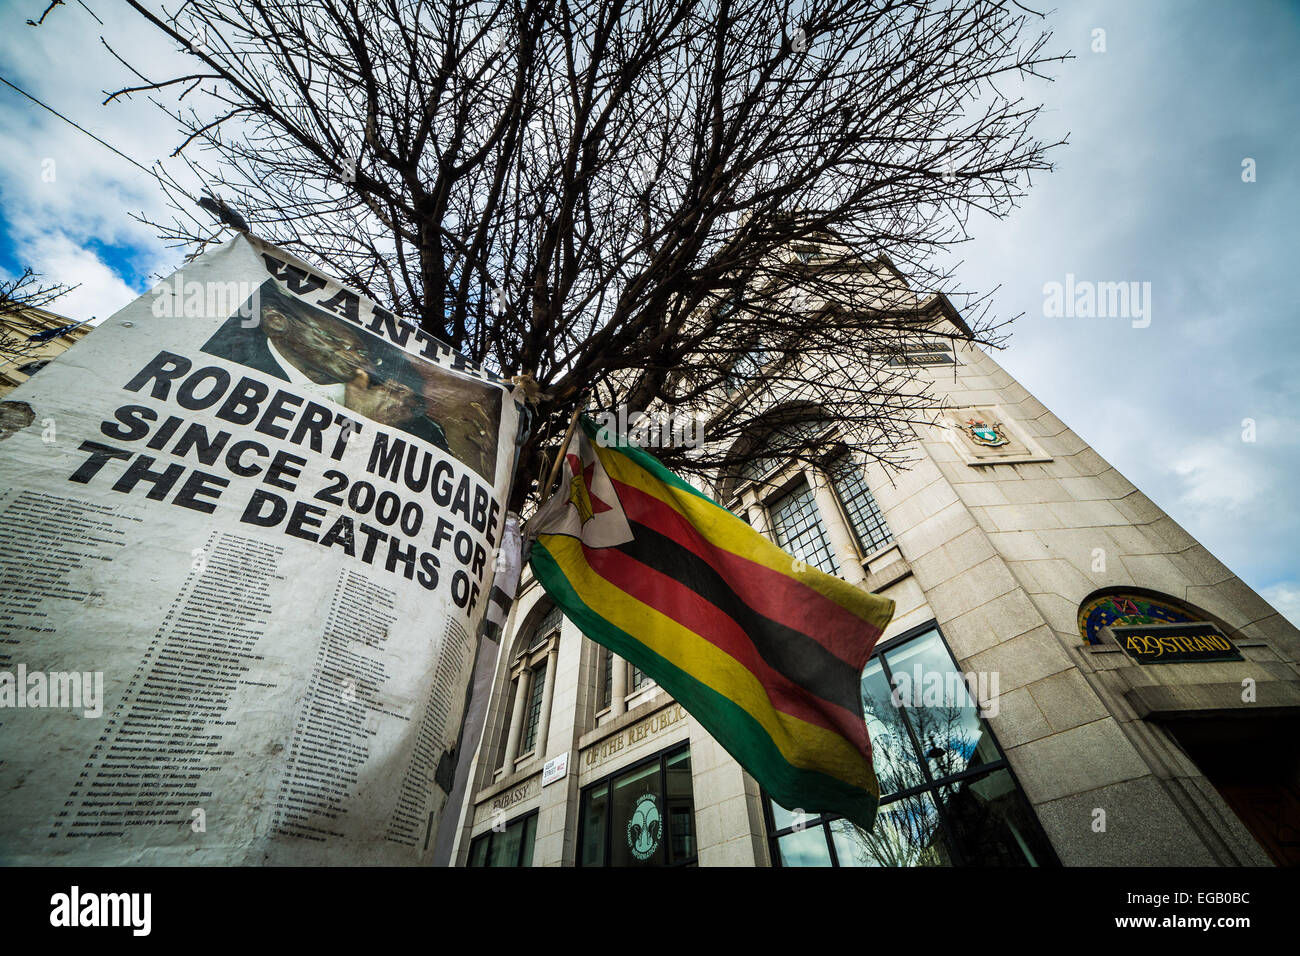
column 1069, row 678
column 21, row 358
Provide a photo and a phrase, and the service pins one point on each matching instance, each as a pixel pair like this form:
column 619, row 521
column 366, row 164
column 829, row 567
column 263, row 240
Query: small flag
column 764, row 651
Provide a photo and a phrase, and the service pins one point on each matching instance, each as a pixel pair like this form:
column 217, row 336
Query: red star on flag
column 587, row 504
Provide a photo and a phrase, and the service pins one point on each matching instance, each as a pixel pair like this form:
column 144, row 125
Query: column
column 516, row 721
column 757, row 514
column 548, row 692
column 837, row 529
column 618, row 686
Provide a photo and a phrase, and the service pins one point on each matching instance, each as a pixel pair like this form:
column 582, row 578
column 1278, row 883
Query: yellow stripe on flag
column 726, row 531
column 801, row 744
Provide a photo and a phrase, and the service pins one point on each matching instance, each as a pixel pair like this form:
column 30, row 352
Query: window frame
column 533, row 716
column 489, row 834
column 831, row 477
column 530, row 658
column 788, row 474
column 930, row 786
column 584, row 797
column 604, row 689
column 800, row 487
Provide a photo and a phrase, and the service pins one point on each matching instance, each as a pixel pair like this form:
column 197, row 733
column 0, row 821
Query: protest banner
column 247, row 533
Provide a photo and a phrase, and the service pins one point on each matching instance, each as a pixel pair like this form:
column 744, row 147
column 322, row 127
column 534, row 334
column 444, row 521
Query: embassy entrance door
column 1254, row 763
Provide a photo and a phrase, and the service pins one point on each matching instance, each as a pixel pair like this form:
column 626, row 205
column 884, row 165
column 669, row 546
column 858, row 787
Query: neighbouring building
column 29, row 339
column 1070, row 678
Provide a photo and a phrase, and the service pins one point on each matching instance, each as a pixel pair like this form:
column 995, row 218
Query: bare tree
column 18, row 296
column 639, row 202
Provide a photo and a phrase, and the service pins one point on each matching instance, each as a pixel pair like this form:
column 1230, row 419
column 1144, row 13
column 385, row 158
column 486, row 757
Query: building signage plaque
column 509, row 798
column 555, row 769
column 597, row 754
column 1175, row 643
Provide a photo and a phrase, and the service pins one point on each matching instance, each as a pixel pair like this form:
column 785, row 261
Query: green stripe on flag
column 734, row 729
column 647, row 461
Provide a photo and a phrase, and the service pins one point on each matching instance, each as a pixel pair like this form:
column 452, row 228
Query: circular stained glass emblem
column 1126, row 609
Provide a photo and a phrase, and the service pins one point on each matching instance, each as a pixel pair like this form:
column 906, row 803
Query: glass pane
column 528, row 838
column 906, row 833
column 897, row 765
column 478, row 851
column 798, row 527
column 992, row 823
column 940, row 707
column 679, row 775
column 637, row 819
column 595, row 819
column 681, row 809
column 864, row 514
column 551, row 622
column 534, row 715
column 505, row 847
column 747, row 366
column 804, row 848
column 779, row 446
column 783, row 818
column 639, row 679
column 681, row 826
column 608, row 693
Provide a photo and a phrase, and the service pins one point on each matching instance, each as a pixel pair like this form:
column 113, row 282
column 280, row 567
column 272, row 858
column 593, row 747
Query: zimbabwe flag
column 764, row 651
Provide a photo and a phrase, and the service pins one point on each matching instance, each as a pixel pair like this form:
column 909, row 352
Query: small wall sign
column 1175, row 643
column 555, row 768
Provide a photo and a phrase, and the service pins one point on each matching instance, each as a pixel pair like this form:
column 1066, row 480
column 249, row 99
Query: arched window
column 818, row 508
column 529, row 693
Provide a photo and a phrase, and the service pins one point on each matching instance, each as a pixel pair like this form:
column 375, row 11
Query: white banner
column 247, row 528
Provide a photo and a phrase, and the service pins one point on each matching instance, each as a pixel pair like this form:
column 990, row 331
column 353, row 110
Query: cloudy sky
column 1161, row 109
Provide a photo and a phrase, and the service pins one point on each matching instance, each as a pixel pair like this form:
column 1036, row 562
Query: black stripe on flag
column 792, row 653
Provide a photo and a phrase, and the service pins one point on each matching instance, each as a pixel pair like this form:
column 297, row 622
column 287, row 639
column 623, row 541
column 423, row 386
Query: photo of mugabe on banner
column 324, row 355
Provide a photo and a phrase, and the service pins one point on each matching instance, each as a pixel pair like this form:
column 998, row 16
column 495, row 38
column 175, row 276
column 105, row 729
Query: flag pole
column 559, row 457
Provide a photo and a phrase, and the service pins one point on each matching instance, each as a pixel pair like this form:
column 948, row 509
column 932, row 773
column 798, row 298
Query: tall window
column 630, row 680
column 526, row 720
column 747, row 367
column 799, row 529
column 947, row 795
column 638, row 680
column 534, row 715
column 511, row 847
column 865, row 520
column 819, row 511
column 607, row 694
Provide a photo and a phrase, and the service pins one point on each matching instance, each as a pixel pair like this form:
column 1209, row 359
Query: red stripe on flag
column 686, row 607
column 774, row 595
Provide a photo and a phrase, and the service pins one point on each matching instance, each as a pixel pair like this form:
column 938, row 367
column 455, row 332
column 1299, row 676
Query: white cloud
column 101, row 291
column 63, row 195
column 1285, row 596
column 1222, row 475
